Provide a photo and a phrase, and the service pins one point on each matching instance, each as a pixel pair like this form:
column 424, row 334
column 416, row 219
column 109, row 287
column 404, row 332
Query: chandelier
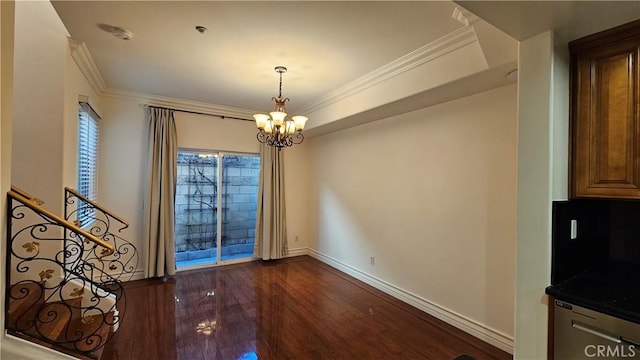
column 277, row 130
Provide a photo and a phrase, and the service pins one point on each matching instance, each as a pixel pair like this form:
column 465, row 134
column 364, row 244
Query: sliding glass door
column 240, row 177
column 216, row 198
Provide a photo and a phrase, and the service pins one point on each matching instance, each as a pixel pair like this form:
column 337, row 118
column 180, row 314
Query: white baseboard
column 470, row 326
column 298, row 252
column 137, row 275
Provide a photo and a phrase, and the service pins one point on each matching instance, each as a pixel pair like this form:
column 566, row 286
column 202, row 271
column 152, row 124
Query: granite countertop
column 615, row 292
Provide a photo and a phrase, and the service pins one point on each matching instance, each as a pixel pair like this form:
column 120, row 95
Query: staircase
column 64, row 277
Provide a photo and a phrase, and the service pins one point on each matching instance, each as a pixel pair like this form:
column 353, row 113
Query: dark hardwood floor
column 296, row 308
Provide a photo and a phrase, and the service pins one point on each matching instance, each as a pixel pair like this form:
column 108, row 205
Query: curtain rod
column 199, row 113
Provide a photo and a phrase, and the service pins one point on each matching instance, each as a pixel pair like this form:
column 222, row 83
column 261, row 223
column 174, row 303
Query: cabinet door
column 605, row 122
column 581, row 333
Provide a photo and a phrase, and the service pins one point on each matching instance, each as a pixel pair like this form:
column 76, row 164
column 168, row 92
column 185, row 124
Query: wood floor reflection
column 297, row 308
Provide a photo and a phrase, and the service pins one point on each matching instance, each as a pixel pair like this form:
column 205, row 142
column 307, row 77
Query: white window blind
column 88, row 136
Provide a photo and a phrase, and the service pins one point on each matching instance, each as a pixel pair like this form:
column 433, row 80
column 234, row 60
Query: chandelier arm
column 288, row 141
column 261, row 136
column 299, row 138
column 271, row 140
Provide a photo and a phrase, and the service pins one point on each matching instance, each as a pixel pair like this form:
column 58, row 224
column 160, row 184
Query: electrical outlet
column 574, row 229
column 373, row 260
column 297, row 238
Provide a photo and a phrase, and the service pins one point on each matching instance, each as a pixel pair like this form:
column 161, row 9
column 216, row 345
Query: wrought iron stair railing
column 61, row 289
column 99, row 221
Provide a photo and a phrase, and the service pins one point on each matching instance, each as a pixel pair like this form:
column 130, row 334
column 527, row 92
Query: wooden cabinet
column 605, row 118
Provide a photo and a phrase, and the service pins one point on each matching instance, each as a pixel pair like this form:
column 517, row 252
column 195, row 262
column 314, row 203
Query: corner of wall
column 7, row 19
column 535, row 178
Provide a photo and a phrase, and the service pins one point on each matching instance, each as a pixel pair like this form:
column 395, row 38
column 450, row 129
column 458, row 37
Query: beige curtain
column 159, row 244
column 271, row 224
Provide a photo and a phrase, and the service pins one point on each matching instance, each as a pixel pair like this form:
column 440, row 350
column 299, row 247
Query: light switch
column 574, row 229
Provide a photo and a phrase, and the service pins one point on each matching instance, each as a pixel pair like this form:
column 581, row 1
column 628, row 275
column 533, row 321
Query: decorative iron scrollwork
column 45, row 275
column 123, row 262
column 61, row 290
column 32, row 246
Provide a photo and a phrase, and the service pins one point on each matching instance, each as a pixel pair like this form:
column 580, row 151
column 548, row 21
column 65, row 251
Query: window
column 87, row 158
column 215, row 208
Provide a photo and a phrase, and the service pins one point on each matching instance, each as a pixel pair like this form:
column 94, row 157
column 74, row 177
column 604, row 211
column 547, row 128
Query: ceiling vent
column 117, row 31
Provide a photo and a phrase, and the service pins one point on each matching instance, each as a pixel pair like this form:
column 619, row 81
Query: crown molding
column 179, row 104
column 464, row 16
column 81, row 55
column 429, row 52
column 440, row 47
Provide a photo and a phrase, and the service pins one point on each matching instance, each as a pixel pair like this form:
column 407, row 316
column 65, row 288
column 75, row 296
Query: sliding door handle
column 595, row 332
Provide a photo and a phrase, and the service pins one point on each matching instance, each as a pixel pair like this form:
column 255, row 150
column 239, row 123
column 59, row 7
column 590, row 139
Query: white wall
column 76, row 86
column 431, row 195
column 12, row 16
column 297, row 185
column 39, row 91
column 534, row 195
column 7, row 9
column 122, row 163
column 560, row 127
column 46, row 90
column 543, row 157
column 211, row 132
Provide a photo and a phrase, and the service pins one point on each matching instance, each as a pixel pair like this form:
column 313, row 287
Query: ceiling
column 326, row 45
column 569, row 20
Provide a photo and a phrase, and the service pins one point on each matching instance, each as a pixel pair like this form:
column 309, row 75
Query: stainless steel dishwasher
column 580, row 333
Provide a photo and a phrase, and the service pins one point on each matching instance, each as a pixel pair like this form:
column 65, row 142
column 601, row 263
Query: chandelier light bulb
column 290, row 127
column 278, row 117
column 268, row 127
column 261, row 120
column 299, row 120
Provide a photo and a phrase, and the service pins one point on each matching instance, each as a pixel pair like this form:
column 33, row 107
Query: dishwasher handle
column 595, row 332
